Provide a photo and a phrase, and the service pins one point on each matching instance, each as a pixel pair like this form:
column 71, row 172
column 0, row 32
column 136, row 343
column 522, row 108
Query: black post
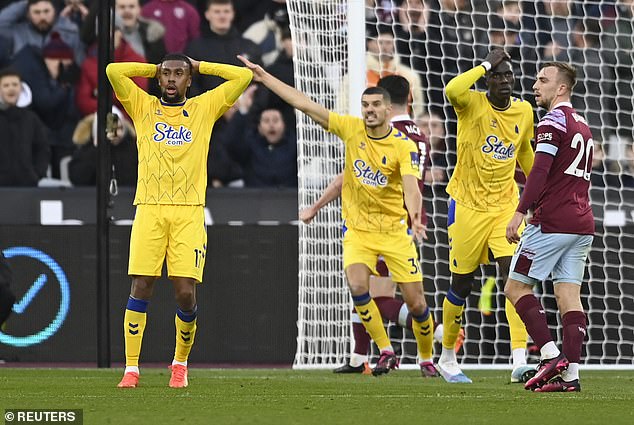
column 104, row 105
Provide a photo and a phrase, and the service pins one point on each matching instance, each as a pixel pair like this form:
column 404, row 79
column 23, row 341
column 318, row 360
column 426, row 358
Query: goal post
column 329, row 38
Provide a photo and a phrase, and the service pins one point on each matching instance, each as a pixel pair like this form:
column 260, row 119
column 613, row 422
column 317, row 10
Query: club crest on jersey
column 496, row 148
column 367, row 175
column 165, row 133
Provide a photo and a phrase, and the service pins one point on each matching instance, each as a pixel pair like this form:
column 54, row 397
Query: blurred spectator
column 145, row 36
column 411, row 35
column 86, row 95
column 180, row 19
column 219, row 42
column 382, row 60
column 283, row 69
column 31, row 23
column 52, row 74
column 555, row 28
column 75, row 10
column 267, row 33
column 433, row 127
column 25, row 151
column 268, row 155
column 82, row 168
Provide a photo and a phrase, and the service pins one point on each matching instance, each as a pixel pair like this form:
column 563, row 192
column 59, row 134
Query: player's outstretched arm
column 413, row 204
column 332, row 192
column 289, row 94
column 237, row 77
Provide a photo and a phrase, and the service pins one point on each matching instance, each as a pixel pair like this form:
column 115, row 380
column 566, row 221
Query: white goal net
column 437, row 39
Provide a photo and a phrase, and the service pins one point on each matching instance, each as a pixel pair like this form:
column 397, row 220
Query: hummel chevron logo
column 363, row 313
column 133, row 332
column 458, row 319
column 425, row 333
column 366, row 320
column 424, row 327
column 133, row 325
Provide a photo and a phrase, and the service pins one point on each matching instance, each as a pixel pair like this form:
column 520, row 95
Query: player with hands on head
column 173, row 135
column 382, row 169
column 558, row 238
column 494, row 134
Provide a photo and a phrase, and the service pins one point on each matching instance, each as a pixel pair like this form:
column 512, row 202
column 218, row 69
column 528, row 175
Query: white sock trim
column 134, row 369
column 519, row 357
column 357, row 360
column 175, row 362
column 549, row 350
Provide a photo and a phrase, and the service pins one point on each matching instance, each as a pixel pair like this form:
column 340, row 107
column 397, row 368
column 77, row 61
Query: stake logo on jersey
column 367, row 175
column 165, row 133
column 495, row 147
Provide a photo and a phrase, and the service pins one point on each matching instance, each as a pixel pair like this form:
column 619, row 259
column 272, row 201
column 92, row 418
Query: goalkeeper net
column 437, row 39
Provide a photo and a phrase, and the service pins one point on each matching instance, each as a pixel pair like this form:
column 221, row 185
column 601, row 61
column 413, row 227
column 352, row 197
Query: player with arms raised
column 173, row 142
column 494, row 134
column 382, row 288
column 558, row 239
column 381, row 169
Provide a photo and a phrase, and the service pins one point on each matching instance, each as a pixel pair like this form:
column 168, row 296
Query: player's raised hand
column 258, row 71
column 496, row 56
column 512, row 235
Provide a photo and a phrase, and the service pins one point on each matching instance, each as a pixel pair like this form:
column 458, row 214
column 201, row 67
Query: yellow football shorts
column 397, row 248
column 473, row 233
column 173, row 231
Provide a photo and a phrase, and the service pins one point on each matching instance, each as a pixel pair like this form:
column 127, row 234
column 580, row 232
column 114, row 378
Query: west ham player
column 382, row 288
column 494, row 134
column 173, row 141
column 558, row 239
column 382, row 168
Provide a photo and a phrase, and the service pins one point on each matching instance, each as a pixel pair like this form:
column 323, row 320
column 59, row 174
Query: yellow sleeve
column 525, row 153
column 120, row 75
column 125, row 89
column 457, row 89
column 238, row 79
column 339, row 125
column 409, row 159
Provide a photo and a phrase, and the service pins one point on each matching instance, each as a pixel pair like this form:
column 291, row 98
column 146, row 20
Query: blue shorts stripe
column 451, row 213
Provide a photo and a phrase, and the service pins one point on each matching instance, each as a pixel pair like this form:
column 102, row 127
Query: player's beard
column 175, row 98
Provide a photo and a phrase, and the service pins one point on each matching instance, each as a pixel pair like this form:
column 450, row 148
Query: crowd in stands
column 50, row 48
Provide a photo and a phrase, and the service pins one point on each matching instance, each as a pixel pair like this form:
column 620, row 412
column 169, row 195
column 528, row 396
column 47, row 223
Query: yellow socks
column 371, row 318
column 452, row 308
column 423, row 329
column 185, row 322
column 517, row 329
column 133, row 326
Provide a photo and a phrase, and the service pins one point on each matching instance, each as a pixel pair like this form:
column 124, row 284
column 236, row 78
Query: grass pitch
column 276, row 396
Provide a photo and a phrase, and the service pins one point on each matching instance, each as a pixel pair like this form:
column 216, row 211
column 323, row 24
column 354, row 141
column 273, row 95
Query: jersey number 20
column 583, row 150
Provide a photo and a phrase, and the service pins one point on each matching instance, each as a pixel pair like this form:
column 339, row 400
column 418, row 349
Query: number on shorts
column 199, row 256
column 414, row 263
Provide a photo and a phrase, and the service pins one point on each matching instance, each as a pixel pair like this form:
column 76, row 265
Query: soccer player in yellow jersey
column 173, row 135
column 494, row 133
column 381, row 169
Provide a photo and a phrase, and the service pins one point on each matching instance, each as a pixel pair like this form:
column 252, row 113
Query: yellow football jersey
column 173, row 140
column 490, row 142
column 372, row 192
